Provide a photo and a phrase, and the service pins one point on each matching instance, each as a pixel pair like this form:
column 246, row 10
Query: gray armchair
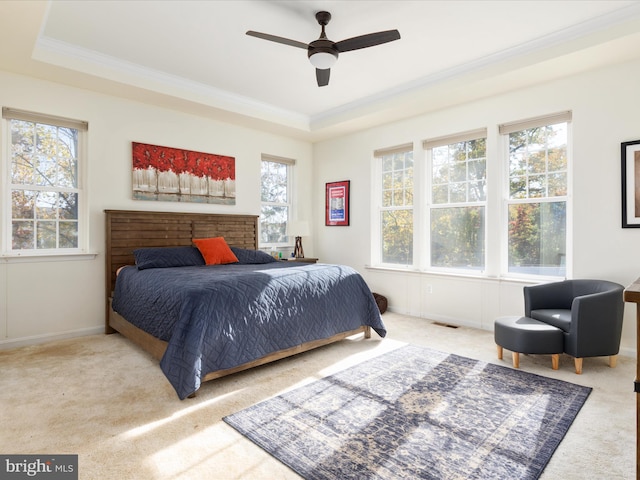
column 589, row 312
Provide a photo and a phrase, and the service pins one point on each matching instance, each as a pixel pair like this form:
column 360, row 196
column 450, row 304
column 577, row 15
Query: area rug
column 417, row 413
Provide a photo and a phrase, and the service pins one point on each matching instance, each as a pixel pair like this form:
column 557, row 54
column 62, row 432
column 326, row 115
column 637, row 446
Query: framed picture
column 177, row 175
column 630, row 152
column 337, row 204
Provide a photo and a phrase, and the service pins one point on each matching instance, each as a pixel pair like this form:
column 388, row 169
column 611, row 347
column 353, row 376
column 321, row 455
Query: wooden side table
column 632, row 295
column 302, row 259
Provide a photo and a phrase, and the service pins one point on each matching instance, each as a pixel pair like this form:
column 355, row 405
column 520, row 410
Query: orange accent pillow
column 215, row 251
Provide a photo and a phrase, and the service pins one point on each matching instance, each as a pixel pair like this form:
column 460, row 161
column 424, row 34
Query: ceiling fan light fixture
column 323, row 60
column 323, row 53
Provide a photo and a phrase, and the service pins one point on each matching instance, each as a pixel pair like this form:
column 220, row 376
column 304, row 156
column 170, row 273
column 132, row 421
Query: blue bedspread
column 222, row 316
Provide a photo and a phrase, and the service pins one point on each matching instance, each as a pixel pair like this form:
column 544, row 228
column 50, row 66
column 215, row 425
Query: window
column 481, row 207
column 396, row 205
column 275, row 188
column 458, row 166
column 537, row 195
column 44, row 192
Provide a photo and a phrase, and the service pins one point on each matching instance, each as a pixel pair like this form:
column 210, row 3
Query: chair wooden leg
column 613, row 361
column 499, row 352
column 555, row 361
column 578, row 362
column 516, row 359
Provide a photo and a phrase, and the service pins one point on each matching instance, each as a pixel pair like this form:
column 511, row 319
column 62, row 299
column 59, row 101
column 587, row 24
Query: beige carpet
column 104, row 399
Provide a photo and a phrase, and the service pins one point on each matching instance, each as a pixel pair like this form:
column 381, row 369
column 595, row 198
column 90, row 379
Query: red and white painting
column 177, row 175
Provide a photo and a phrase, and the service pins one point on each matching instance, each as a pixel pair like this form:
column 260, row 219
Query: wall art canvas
column 177, row 175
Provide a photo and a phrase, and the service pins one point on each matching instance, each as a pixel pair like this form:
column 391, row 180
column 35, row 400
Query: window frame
column 377, row 212
column 503, row 131
column 431, row 206
column 496, row 204
column 289, row 164
column 7, row 250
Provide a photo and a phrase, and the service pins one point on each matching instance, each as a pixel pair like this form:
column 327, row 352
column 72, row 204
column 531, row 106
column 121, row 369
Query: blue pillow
column 246, row 256
column 163, row 257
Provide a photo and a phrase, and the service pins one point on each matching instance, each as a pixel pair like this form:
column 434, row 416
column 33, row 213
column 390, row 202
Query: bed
column 205, row 321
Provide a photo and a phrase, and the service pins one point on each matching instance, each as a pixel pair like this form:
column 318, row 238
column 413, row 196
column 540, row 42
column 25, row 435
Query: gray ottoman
column 526, row 335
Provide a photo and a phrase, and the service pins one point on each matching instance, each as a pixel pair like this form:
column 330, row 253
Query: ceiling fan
column 323, row 52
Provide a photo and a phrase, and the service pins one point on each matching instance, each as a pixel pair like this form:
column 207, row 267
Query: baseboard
column 624, row 351
column 628, row 352
column 49, row 337
column 439, row 318
column 37, row 339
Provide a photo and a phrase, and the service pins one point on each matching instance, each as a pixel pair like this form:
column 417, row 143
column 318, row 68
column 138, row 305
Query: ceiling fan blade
column 369, row 40
column 323, row 76
column 274, row 38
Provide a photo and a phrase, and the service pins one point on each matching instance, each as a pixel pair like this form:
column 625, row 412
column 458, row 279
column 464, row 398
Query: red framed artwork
column 337, row 204
column 177, row 175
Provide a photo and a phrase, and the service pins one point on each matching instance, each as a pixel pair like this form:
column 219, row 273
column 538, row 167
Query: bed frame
column 127, row 230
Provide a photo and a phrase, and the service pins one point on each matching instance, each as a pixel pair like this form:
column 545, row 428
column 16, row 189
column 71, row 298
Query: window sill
column 467, row 275
column 438, row 273
column 51, row 257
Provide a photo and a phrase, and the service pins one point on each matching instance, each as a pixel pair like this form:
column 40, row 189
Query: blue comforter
column 222, row 316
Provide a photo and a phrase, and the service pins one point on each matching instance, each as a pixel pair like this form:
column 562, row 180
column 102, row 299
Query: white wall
column 42, row 300
column 605, row 105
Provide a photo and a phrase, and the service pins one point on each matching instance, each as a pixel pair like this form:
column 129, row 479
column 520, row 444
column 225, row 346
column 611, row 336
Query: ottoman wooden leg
column 555, row 361
column 613, row 361
column 516, row 359
column 528, row 336
column 578, row 362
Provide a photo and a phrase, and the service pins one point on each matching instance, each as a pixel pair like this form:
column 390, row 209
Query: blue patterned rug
column 417, row 413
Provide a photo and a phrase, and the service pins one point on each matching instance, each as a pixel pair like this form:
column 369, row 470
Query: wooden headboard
column 127, row 230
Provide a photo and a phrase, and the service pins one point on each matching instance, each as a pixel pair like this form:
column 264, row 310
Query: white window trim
column 82, row 251
column 52, row 257
column 290, row 163
column 496, row 204
column 376, row 211
column 427, row 147
column 552, row 119
column 503, row 133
